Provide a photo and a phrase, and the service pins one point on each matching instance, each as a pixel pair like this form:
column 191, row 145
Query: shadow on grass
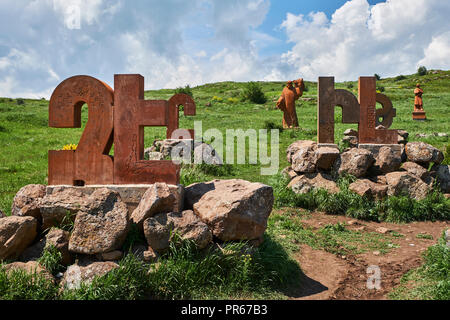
column 288, row 277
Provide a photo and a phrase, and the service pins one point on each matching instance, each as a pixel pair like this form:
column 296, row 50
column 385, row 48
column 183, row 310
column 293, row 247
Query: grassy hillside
column 25, row 137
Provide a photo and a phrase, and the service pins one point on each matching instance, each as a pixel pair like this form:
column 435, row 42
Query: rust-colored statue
column 117, row 117
column 418, row 113
column 286, row 102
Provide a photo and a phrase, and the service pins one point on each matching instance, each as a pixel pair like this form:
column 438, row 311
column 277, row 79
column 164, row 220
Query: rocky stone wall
column 102, row 216
column 381, row 170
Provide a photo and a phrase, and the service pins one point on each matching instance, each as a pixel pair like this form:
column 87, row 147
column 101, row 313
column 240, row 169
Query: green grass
column 51, row 259
column 231, row 271
column 394, row 209
column 19, row 285
column 431, row 281
column 289, row 230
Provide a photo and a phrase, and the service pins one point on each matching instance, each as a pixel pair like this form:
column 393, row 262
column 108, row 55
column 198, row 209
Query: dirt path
column 328, row 276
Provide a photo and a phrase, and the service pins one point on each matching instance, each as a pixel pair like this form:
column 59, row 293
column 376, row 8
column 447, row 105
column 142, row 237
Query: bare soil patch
column 330, row 276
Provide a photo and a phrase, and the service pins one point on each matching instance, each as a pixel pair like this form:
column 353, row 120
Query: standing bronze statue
column 286, row 103
column 418, row 113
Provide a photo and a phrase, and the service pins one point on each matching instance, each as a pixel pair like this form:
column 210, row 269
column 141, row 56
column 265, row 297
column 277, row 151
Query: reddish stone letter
column 131, row 114
column 90, row 163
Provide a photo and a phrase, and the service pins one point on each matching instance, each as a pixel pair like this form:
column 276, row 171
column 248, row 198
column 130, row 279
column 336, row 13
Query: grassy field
column 25, row 139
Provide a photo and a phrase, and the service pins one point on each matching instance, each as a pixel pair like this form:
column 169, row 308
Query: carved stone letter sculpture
column 328, row 99
column 367, row 129
column 117, row 117
column 90, row 163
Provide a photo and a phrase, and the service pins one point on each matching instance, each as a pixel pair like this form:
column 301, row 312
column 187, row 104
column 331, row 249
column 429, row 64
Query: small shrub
column 350, row 85
column 421, row 71
column 380, row 89
column 20, row 102
column 186, row 90
column 270, row 125
column 232, row 100
column 51, row 259
column 253, row 92
column 399, row 78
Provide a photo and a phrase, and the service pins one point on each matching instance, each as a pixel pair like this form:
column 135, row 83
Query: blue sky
column 177, row 42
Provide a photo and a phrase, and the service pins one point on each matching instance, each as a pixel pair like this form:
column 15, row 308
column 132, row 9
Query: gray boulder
column 235, row 209
column 355, row 162
column 404, row 183
column 16, row 234
column 160, row 229
column 311, row 181
column 27, row 201
column 423, row 153
column 102, row 225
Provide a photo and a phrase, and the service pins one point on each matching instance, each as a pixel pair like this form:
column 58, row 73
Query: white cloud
column 150, row 37
column 389, row 38
column 177, row 42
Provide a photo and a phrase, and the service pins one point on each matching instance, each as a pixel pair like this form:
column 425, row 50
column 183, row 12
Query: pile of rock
column 183, row 148
column 215, row 211
column 381, row 171
column 351, row 137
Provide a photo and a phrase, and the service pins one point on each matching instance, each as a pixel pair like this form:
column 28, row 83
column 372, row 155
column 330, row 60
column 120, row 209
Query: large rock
column 195, row 191
column 235, row 209
column 31, row 267
column 62, row 204
column 173, row 148
column 157, row 199
column 26, row 201
column 388, row 160
column 365, row 187
column 204, row 153
column 355, row 162
column 304, row 160
column 78, row 274
column 296, row 146
column 102, row 225
column 130, row 194
column 443, row 177
column 416, row 169
column 160, row 229
column 311, row 181
column 55, row 237
column 404, row 183
column 16, row 234
column 326, row 157
column 423, row 153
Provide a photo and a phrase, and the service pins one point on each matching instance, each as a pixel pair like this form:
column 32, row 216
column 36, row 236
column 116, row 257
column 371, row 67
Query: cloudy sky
column 177, row 42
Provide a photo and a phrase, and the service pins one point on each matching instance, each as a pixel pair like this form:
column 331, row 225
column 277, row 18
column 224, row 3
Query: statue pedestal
column 131, row 194
column 375, row 148
column 419, row 115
